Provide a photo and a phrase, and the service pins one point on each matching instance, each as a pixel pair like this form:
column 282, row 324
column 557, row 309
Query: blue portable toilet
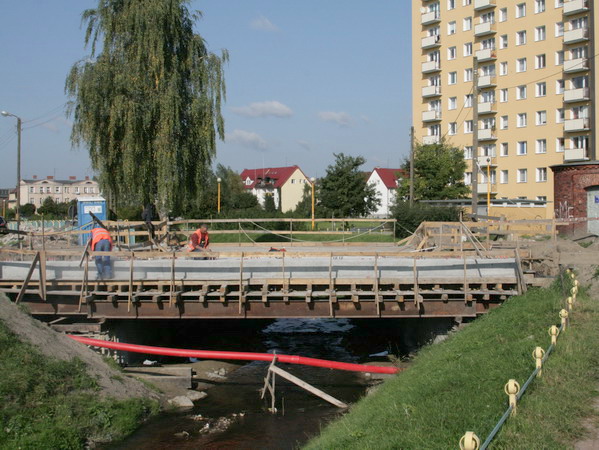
column 86, row 205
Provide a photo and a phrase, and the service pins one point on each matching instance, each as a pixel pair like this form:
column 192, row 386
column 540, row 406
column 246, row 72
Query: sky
column 305, row 80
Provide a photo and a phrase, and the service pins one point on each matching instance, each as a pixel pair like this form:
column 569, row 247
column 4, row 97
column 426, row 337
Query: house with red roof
column 284, row 184
column 385, row 181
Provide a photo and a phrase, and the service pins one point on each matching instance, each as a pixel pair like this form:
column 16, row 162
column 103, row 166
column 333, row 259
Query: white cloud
column 263, row 24
column 304, row 144
column 264, row 109
column 340, row 118
column 248, row 139
column 365, row 118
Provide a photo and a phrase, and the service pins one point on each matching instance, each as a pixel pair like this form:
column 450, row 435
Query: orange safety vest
column 99, row 234
column 200, row 236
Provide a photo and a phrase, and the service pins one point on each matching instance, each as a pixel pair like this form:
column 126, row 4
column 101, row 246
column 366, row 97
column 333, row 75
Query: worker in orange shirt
column 102, row 242
column 199, row 240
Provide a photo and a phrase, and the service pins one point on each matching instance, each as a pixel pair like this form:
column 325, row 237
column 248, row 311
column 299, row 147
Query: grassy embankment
column 47, row 403
column 457, row 386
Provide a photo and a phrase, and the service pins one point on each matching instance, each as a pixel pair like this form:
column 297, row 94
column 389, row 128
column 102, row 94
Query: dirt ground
column 56, row 345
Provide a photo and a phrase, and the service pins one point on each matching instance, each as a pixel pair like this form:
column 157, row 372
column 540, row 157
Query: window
column 503, row 177
column 559, row 87
column 522, row 148
column 434, row 56
column 57, row 189
column 541, row 174
column 451, row 53
column 579, row 82
column 521, row 65
column 520, row 10
column 451, row 28
column 541, row 89
column 66, row 190
column 450, row 4
column 467, row 75
column 559, row 3
column 503, row 14
column 521, row 92
column 503, row 41
column 85, row 190
column 578, row 52
column 453, row 128
column 468, row 49
column 453, row 78
column 452, row 103
column 503, row 68
column 468, row 101
column 488, row 44
column 522, row 175
column 468, row 178
column 503, row 95
column 580, row 142
column 579, row 112
column 488, row 70
column 488, row 123
column 468, row 126
column 467, row 24
column 560, row 145
column 434, row 105
column 503, row 122
column 468, row 152
column 560, row 116
column 47, row 189
column 433, row 130
column 504, row 149
column 522, row 120
column 540, row 61
column 539, row 6
column 579, row 24
column 540, row 33
column 31, row 190
column 77, row 190
column 559, row 29
column 466, row 2
column 559, row 57
column 521, row 37
column 541, row 146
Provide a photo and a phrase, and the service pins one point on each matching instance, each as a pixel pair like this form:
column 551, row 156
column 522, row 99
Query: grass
column 49, row 404
column 457, row 386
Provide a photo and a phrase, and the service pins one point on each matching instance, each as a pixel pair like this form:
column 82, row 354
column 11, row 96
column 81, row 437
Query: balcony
column 430, row 17
column 575, row 7
column 573, row 125
column 483, row 188
column 431, row 91
column 431, row 116
column 431, row 140
column 484, row 29
column 486, row 81
column 576, row 65
column 487, row 134
column 576, row 95
column 575, row 36
column 431, row 41
column 487, row 108
column 575, row 154
column 487, row 54
column 484, row 161
column 479, row 5
column 431, row 66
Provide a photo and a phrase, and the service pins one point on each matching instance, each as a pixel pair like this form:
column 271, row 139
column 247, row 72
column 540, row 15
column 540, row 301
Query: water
column 300, row 414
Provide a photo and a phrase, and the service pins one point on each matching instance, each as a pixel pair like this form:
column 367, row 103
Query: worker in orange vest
column 199, row 240
column 102, row 242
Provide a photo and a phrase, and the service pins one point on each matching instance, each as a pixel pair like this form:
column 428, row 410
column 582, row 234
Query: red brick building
column 576, row 188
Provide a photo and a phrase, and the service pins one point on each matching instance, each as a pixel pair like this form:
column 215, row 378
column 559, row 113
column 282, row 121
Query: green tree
column 344, row 190
column 147, row 101
column 27, row 210
column 438, row 173
column 304, row 207
column 269, row 203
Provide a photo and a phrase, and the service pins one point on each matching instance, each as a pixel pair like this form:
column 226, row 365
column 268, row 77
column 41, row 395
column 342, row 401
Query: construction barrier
column 470, row 441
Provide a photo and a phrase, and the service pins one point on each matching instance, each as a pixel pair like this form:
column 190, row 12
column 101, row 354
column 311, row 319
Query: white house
column 284, row 184
column 385, row 182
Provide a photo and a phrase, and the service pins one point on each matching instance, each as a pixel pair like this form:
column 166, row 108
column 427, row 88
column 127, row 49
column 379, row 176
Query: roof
column 42, row 180
column 273, row 176
column 390, row 176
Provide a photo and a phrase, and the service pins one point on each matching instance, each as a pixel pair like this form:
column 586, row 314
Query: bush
column 410, row 217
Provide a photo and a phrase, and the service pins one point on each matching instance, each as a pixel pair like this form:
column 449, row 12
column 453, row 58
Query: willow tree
column 147, row 101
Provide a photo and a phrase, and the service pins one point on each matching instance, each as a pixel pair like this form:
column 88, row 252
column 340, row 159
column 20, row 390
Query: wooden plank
column 130, row 293
column 42, row 273
column 308, row 387
column 83, row 292
column 377, row 298
column 21, row 293
column 172, row 290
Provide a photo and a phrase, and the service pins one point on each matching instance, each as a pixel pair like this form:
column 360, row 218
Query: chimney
column 50, row 177
column 72, row 178
column 35, row 177
column 86, row 178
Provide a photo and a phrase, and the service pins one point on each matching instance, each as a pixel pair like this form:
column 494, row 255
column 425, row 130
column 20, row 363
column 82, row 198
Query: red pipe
column 208, row 354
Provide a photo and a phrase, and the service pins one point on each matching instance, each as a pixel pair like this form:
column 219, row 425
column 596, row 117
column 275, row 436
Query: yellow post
column 313, row 182
column 488, row 186
column 563, row 314
column 218, row 180
column 469, row 441
column 553, row 332
column 537, row 354
column 512, row 388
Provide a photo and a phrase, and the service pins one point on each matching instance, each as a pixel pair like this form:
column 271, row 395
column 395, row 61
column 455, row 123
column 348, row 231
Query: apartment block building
column 535, row 90
column 36, row 190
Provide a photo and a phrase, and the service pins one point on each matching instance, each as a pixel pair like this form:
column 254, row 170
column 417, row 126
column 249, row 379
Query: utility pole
column 475, row 138
column 412, row 166
column 18, row 205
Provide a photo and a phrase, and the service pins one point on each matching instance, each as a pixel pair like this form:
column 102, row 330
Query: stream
column 233, row 416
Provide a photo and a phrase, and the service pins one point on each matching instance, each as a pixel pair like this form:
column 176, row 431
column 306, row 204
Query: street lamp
column 313, row 182
column 218, row 180
column 19, row 127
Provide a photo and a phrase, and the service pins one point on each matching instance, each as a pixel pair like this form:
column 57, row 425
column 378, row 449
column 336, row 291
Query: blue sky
column 305, row 80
